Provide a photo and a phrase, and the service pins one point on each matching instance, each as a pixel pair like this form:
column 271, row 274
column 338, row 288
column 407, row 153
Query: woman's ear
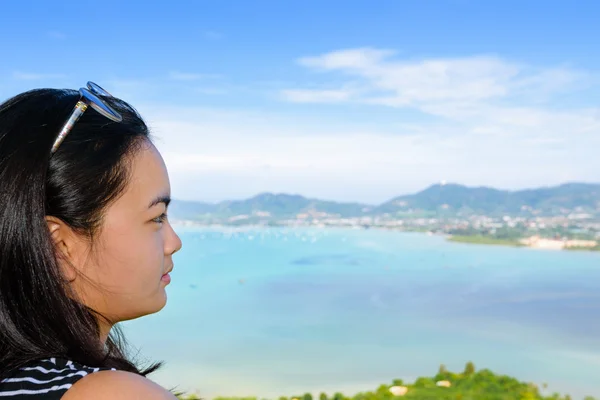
column 65, row 247
column 58, row 232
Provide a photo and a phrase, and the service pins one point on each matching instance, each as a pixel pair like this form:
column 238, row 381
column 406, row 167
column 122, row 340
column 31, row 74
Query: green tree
column 338, row 396
column 443, row 370
column 529, row 396
column 469, row 369
column 307, row 396
column 383, row 391
column 424, row 382
column 397, row 382
column 323, row 396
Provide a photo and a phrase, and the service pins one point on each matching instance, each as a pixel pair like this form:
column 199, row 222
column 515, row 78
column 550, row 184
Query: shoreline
column 481, row 239
column 541, row 243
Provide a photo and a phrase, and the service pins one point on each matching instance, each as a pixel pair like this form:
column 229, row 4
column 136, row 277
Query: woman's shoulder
column 57, row 378
column 117, row 385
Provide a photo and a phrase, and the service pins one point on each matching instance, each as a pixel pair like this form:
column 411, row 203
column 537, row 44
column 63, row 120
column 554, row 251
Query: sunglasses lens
column 97, row 104
column 97, row 90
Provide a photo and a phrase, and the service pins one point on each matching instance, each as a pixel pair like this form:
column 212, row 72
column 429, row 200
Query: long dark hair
column 39, row 316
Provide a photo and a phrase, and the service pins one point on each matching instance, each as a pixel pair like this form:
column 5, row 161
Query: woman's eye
column 160, row 219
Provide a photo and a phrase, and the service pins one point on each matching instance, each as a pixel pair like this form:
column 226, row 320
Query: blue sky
column 337, row 100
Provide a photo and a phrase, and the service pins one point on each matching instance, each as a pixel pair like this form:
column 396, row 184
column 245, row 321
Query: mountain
column 446, row 199
column 276, row 205
column 484, row 200
column 455, row 197
column 183, row 209
column 286, row 205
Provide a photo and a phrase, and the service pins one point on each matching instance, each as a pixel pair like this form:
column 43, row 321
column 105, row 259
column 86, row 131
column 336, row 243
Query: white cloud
column 354, row 59
column 213, row 35
column 30, row 76
column 187, row 76
column 211, row 90
column 477, row 120
column 219, row 154
column 413, row 82
column 316, row 96
column 480, row 95
column 461, row 89
column 57, row 35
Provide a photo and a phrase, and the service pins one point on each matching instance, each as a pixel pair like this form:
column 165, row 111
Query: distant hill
column 468, row 384
column 283, row 205
column 182, row 209
column 277, row 205
column 453, row 198
column 448, row 199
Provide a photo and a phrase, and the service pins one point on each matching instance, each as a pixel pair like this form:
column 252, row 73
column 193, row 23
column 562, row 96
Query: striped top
column 47, row 379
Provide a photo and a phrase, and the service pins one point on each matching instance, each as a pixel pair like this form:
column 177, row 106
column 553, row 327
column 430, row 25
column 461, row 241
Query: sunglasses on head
column 89, row 98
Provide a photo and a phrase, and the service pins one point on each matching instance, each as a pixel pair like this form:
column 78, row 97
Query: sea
column 272, row 312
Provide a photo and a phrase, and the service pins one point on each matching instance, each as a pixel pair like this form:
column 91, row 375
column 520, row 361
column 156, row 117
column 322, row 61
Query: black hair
column 39, row 315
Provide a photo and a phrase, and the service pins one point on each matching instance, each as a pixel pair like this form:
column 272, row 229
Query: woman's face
column 125, row 271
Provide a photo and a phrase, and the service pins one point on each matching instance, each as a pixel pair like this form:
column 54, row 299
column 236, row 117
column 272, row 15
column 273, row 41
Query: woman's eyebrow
column 160, row 199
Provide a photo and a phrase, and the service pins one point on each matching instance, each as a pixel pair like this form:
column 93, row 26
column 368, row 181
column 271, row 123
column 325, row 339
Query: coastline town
column 573, row 230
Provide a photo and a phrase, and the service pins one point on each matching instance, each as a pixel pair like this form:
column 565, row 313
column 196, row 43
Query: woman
column 84, row 244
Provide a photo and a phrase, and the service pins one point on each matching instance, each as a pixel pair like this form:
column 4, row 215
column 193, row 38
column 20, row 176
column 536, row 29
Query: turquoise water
column 284, row 311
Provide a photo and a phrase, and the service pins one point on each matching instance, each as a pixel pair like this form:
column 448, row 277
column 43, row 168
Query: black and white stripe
column 47, row 379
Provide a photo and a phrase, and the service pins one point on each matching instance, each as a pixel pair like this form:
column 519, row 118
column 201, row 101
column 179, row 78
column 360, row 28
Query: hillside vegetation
column 469, row 384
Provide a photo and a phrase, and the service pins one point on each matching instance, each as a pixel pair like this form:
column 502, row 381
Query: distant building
column 398, row 390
